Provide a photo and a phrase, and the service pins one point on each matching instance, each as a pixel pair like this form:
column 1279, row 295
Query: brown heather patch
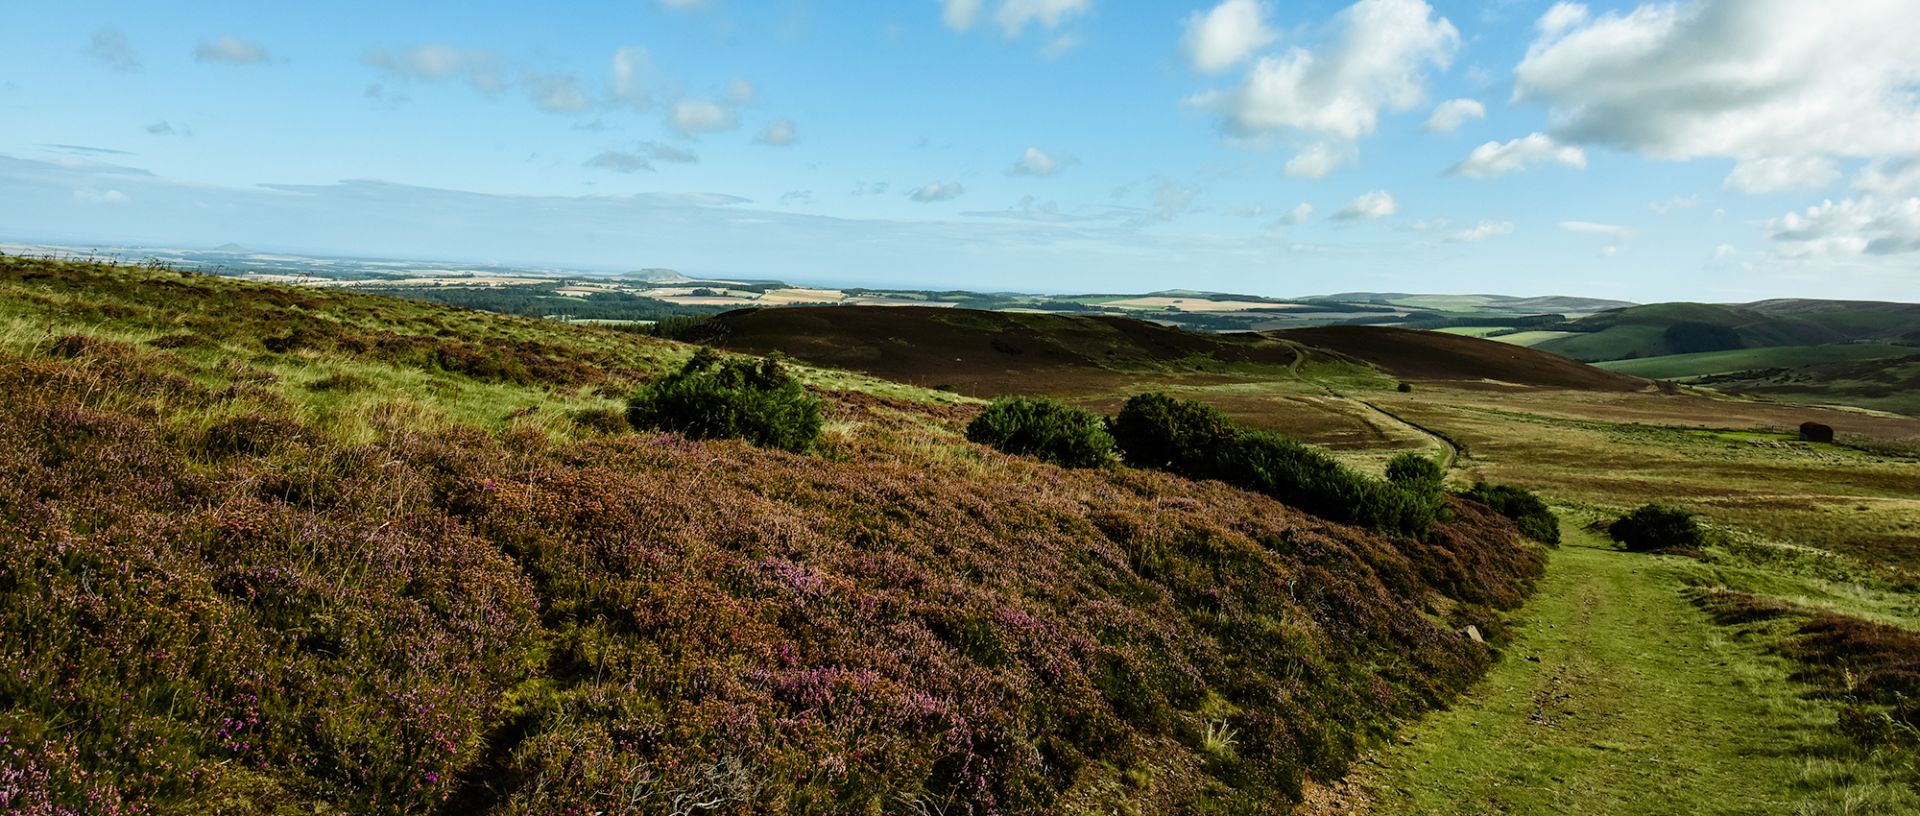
column 205, row 600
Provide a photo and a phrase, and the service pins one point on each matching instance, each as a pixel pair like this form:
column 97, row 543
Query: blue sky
column 1707, row 149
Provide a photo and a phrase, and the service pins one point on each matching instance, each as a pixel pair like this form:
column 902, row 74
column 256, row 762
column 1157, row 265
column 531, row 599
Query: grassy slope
column 1637, row 705
column 1684, row 366
column 288, row 551
column 1640, row 331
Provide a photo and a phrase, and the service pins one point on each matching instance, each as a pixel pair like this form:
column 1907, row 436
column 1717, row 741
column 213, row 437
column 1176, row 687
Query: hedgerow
column 1045, row 429
column 1197, row 441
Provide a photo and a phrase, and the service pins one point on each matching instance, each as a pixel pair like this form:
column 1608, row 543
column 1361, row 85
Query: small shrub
column 1159, row 432
column 1406, row 388
column 712, row 398
column 1657, row 527
column 1411, row 471
column 1534, row 518
column 1043, row 428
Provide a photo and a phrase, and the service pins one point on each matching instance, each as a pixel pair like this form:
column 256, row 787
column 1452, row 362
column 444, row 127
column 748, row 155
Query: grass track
column 1637, row 705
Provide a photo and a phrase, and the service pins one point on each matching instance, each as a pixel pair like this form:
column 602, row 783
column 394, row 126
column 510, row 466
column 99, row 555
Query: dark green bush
column 1159, row 432
column 1532, row 515
column 1657, row 527
column 1043, row 428
column 1199, row 442
column 713, row 398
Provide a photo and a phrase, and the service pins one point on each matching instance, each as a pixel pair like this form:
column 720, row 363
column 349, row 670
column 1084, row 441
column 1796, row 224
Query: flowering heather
column 213, row 599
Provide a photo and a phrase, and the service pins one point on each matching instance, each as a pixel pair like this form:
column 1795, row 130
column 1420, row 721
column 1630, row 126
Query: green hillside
column 296, row 551
column 1666, row 329
column 1686, row 366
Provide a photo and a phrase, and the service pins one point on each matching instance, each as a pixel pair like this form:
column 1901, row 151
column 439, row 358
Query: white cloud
column 1744, row 79
column 632, row 73
column 640, row 158
column 101, row 198
column 1233, row 31
column 1036, row 162
column 694, row 116
column 960, row 15
column 936, row 191
column 1334, row 96
column 231, row 49
column 558, row 94
column 1495, row 159
column 741, row 93
column 1773, row 175
column 484, row 70
column 1448, row 116
column 1060, row 45
column 1482, row 231
column 1674, row 203
column 778, row 134
column 1170, row 198
column 1615, row 234
column 1320, row 159
column 1296, row 215
column 1896, row 177
column 1851, row 227
column 1014, row 15
column 1377, row 204
column 110, row 48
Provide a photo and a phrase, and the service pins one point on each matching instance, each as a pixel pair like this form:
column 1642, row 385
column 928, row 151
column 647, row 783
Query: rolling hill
column 1409, row 354
column 1682, row 328
column 279, row 550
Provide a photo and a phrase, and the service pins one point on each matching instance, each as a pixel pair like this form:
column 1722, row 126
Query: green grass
column 1531, row 338
column 1683, row 366
column 1618, row 696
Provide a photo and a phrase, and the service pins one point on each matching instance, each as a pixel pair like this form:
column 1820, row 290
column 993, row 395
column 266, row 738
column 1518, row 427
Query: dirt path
column 1450, row 452
column 1616, row 696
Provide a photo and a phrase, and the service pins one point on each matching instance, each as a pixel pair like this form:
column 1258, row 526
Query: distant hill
column 1683, row 328
column 1856, row 319
column 1423, row 355
column 653, row 275
column 987, row 353
column 1551, row 304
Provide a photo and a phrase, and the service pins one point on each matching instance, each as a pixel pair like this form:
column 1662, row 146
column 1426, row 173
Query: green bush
column 712, row 398
column 1531, row 514
column 1199, row 442
column 1159, row 432
column 1657, row 527
column 1043, row 428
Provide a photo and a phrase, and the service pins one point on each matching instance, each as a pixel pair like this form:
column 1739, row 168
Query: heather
column 245, row 569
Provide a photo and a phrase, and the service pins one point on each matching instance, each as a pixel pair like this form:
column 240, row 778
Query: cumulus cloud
column 1448, row 116
column 936, row 191
column 559, row 93
column 1495, row 159
column 1220, row 39
column 1889, row 177
column 1773, row 175
column 741, row 93
column 233, row 50
column 1036, row 162
column 1743, row 79
column 1482, row 231
column 631, row 75
column 1850, row 227
column 1615, row 234
column 1014, row 15
column 691, row 117
column 959, row 15
column 1333, row 96
column 110, row 48
column 778, row 134
column 1377, row 204
column 484, row 70
column 1319, row 160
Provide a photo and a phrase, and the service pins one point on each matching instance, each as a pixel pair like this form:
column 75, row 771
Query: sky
column 1714, row 150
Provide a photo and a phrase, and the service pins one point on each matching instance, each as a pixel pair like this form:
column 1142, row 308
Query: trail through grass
column 1618, row 696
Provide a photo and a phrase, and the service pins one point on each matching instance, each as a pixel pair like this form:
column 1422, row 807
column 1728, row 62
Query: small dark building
column 1816, row 432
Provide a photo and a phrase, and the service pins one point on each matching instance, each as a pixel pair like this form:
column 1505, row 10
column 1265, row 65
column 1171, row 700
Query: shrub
column 1532, row 515
column 1043, row 428
column 1411, row 471
column 1197, row 441
column 1159, row 432
column 1657, row 527
column 712, row 398
column 1406, row 388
